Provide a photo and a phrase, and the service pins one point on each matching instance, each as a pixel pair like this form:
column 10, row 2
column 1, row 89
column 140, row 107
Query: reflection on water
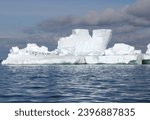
column 75, row 83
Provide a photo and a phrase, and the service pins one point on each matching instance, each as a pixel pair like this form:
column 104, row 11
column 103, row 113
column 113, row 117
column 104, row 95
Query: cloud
column 130, row 24
column 140, row 9
column 106, row 17
column 139, row 12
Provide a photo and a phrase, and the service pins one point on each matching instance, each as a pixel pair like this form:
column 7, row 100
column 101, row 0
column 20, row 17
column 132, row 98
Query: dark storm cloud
column 140, row 9
column 106, row 17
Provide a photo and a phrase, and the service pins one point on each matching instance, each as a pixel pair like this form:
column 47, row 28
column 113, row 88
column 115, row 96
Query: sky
column 45, row 21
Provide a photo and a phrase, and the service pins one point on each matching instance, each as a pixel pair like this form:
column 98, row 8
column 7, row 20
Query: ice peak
column 81, row 43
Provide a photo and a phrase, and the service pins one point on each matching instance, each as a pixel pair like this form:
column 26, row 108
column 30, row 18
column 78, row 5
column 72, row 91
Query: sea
column 75, row 84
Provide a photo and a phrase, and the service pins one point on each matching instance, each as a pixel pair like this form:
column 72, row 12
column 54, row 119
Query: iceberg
column 78, row 48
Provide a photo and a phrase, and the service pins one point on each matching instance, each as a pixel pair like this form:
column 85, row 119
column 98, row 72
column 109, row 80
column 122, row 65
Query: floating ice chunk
column 122, row 49
column 146, row 57
column 79, row 48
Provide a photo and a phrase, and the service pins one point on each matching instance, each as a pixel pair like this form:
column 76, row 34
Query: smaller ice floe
column 146, row 57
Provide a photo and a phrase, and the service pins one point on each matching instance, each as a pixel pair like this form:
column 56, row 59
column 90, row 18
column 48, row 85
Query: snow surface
column 79, row 47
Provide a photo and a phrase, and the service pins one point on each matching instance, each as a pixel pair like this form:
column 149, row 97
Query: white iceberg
column 80, row 47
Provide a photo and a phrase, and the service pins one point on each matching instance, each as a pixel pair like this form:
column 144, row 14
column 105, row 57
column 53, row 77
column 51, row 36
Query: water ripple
column 75, row 83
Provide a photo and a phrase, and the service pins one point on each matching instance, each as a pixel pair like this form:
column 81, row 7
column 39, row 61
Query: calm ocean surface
column 75, row 83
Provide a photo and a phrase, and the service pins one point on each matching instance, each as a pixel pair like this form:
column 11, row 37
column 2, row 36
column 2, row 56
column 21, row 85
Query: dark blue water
column 75, row 83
